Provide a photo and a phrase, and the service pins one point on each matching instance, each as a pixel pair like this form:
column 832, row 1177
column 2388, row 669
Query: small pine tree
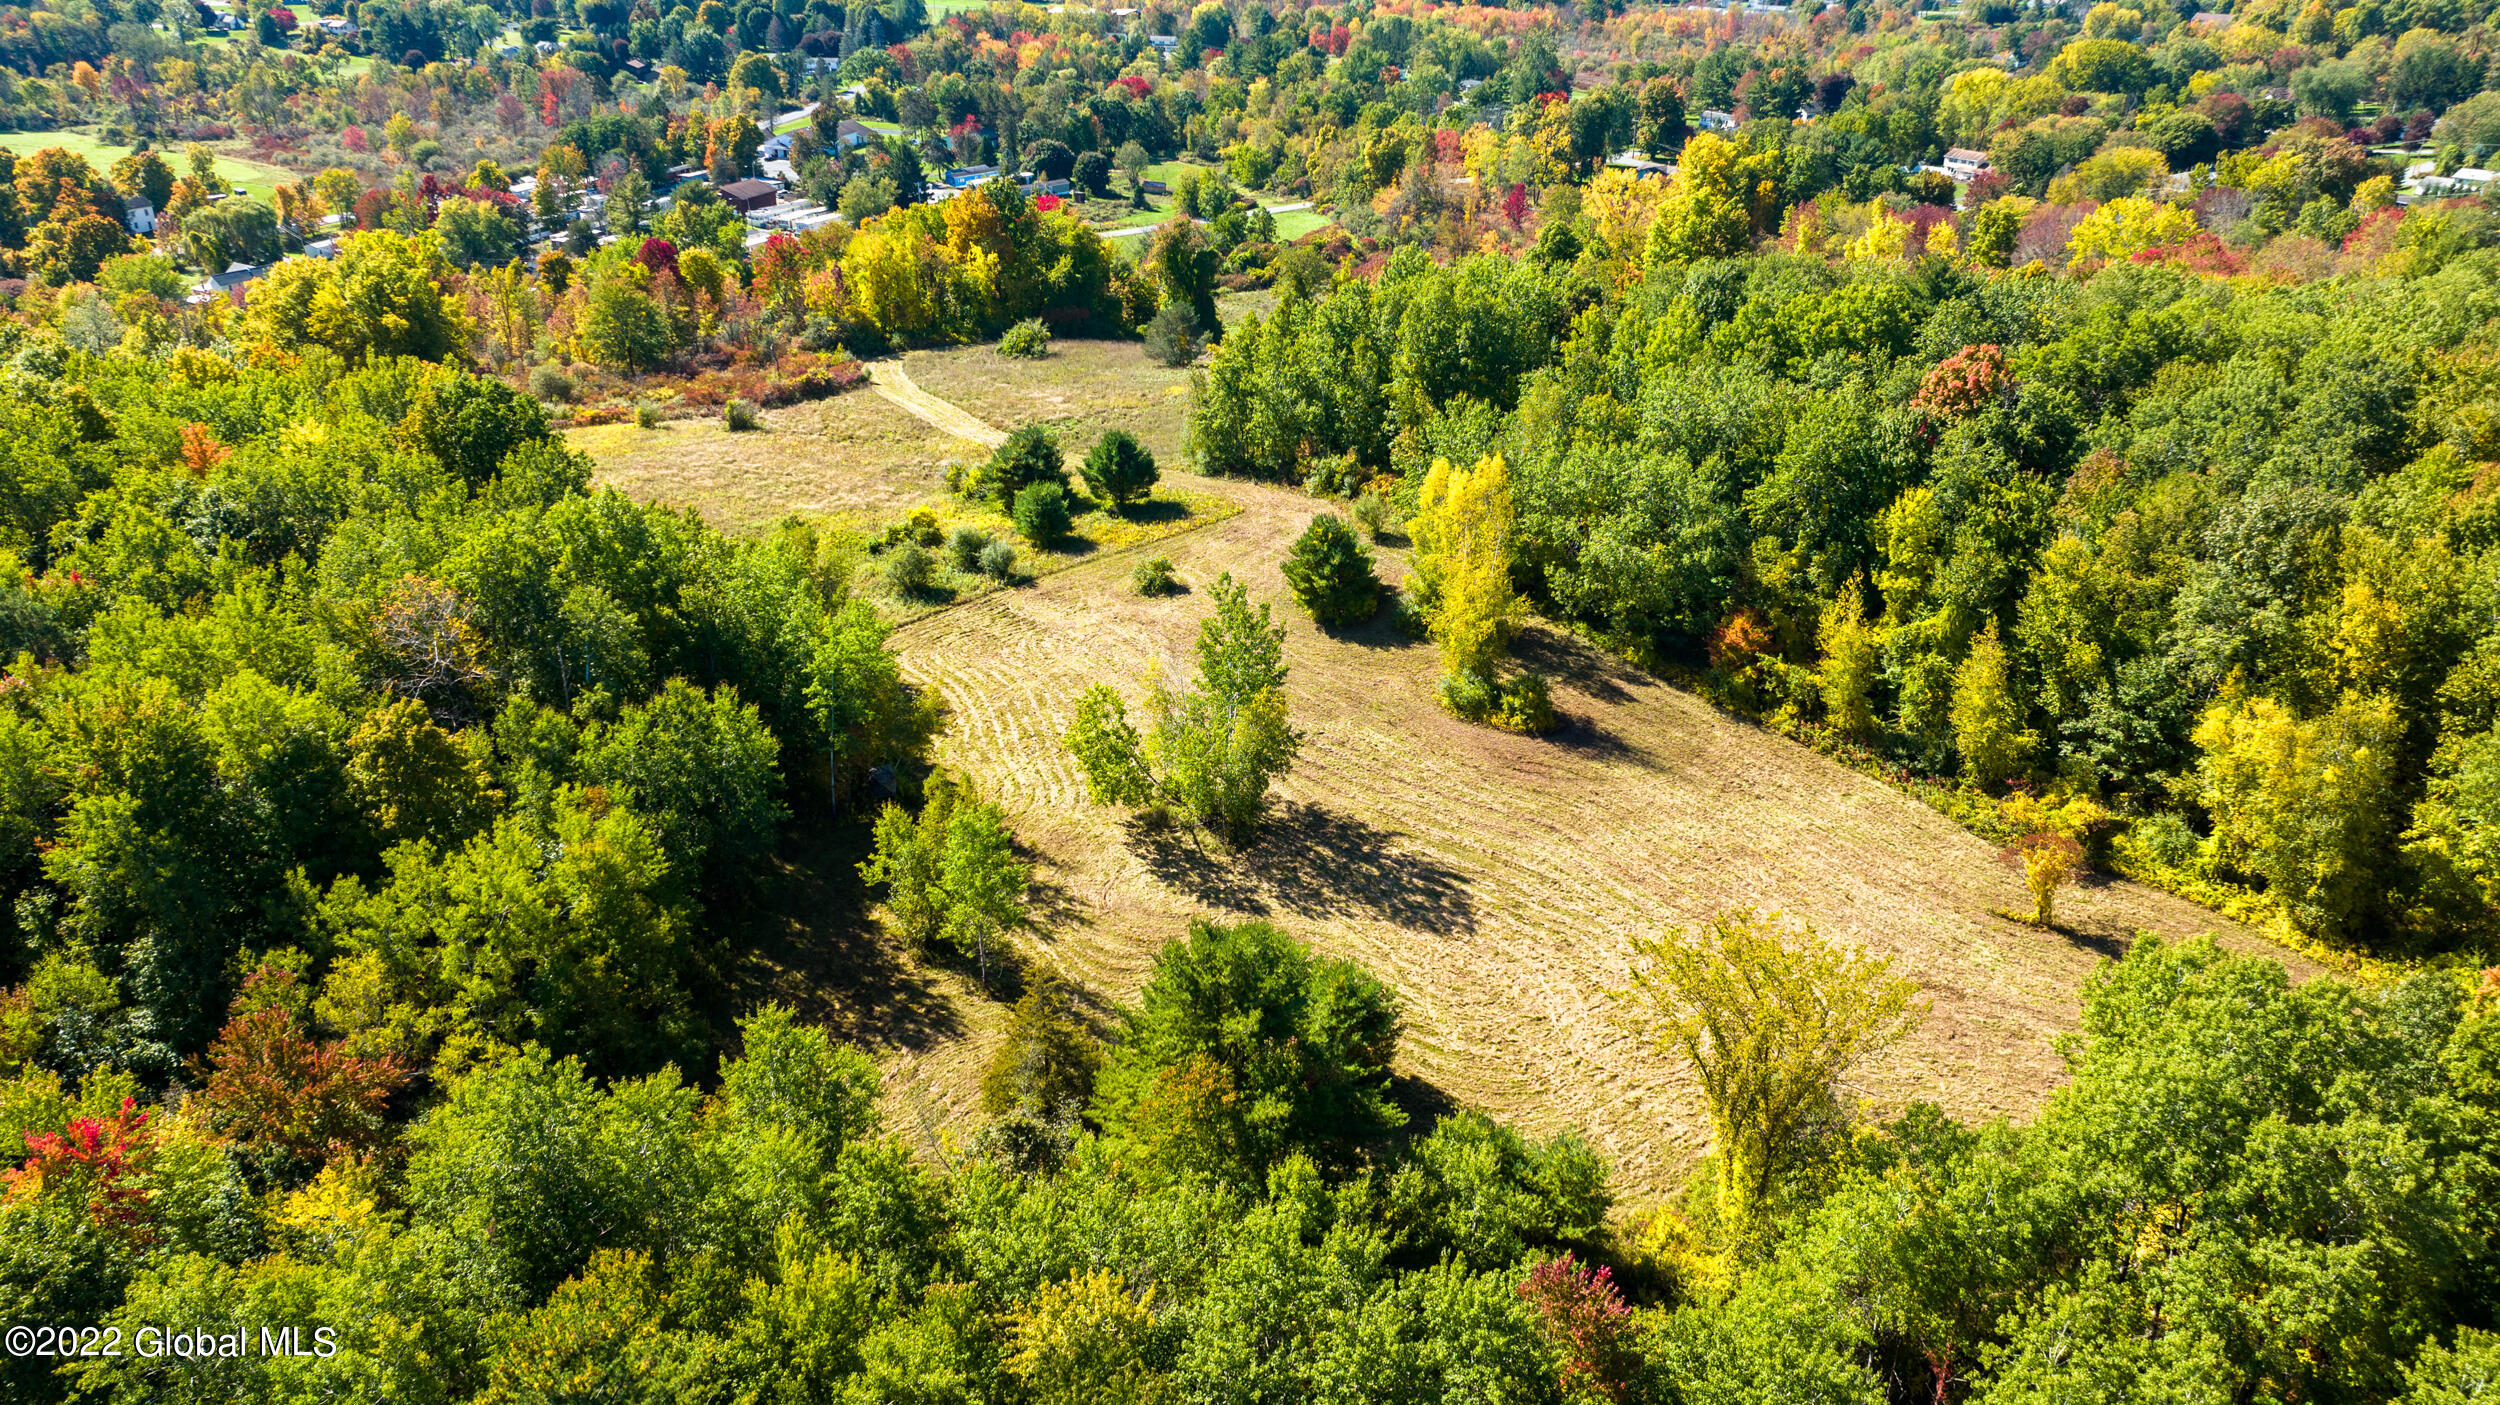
column 1119, row 470
column 1041, row 513
column 1028, row 456
column 1046, row 1065
column 1172, row 337
column 1330, row 572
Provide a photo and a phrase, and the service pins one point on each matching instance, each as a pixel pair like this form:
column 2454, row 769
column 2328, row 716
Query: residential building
column 1965, row 165
column 748, row 196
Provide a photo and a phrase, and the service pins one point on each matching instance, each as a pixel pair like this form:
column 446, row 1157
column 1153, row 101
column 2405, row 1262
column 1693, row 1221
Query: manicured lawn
column 257, row 177
column 1293, row 224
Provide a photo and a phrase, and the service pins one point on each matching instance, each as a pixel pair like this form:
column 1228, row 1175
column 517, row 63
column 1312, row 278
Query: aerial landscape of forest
column 930, row 702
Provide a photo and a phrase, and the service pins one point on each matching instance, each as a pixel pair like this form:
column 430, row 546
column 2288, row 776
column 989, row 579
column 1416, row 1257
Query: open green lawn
column 98, row 154
column 1169, row 172
column 1293, row 224
column 257, row 177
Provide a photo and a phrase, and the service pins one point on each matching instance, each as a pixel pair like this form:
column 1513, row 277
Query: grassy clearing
column 257, row 177
column 97, row 152
column 861, row 461
column 1095, row 534
column 855, row 458
column 1080, row 389
column 1293, row 224
column 1496, row 880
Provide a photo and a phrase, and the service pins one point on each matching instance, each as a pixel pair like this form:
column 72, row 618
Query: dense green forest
column 378, row 795
column 2214, row 555
column 2081, row 415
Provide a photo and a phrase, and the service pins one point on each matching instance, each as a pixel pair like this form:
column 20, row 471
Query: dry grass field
column 1080, row 389
column 1495, row 880
column 855, row 456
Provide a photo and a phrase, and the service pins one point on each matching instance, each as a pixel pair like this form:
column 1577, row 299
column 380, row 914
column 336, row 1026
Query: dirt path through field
column 1497, row 880
column 889, row 379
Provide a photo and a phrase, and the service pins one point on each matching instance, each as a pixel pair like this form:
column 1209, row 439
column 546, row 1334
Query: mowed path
column 890, row 380
column 1498, row 881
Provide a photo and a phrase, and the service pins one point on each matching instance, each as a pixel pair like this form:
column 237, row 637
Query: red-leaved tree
column 272, row 1086
column 99, row 1161
column 1966, row 381
column 1586, row 1319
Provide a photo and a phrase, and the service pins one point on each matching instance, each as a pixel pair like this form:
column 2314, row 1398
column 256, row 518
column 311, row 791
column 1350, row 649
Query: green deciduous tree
column 1084, row 1342
column 951, row 874
column 1211, row 752
column 1293, row 1051
column 624, row 327
column 1772, row 1019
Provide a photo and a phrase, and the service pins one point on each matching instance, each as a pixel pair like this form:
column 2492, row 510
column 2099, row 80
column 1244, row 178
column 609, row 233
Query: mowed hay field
column 1496, row 880
column 855, row 456
column 1079, row 390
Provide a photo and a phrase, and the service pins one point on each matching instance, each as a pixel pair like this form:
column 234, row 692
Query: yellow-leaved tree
column 1772, row 1018
column 2127, row 226
column 1853, row 658
column 1705, row 214
column 1464, row 519
column 2302, row 802
column 1083, row 1342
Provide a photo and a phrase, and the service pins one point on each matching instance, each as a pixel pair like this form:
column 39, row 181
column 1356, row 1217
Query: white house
column 1965, row 165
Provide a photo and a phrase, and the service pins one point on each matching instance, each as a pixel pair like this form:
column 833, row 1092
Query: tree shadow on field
column 1312, row 862
column 1572, row 663
column 809, row 942
column 1381, row 631
column 2100, row 938
column 1423, row 1102
column 1152, row 511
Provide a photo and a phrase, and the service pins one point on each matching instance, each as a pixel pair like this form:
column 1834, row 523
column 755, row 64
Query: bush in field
column 1331, row 573
column 1154, row 576
column 1041, row 513
column 1028, row 340
column 1118, row 470
column 965, row 546
column 909, row 569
